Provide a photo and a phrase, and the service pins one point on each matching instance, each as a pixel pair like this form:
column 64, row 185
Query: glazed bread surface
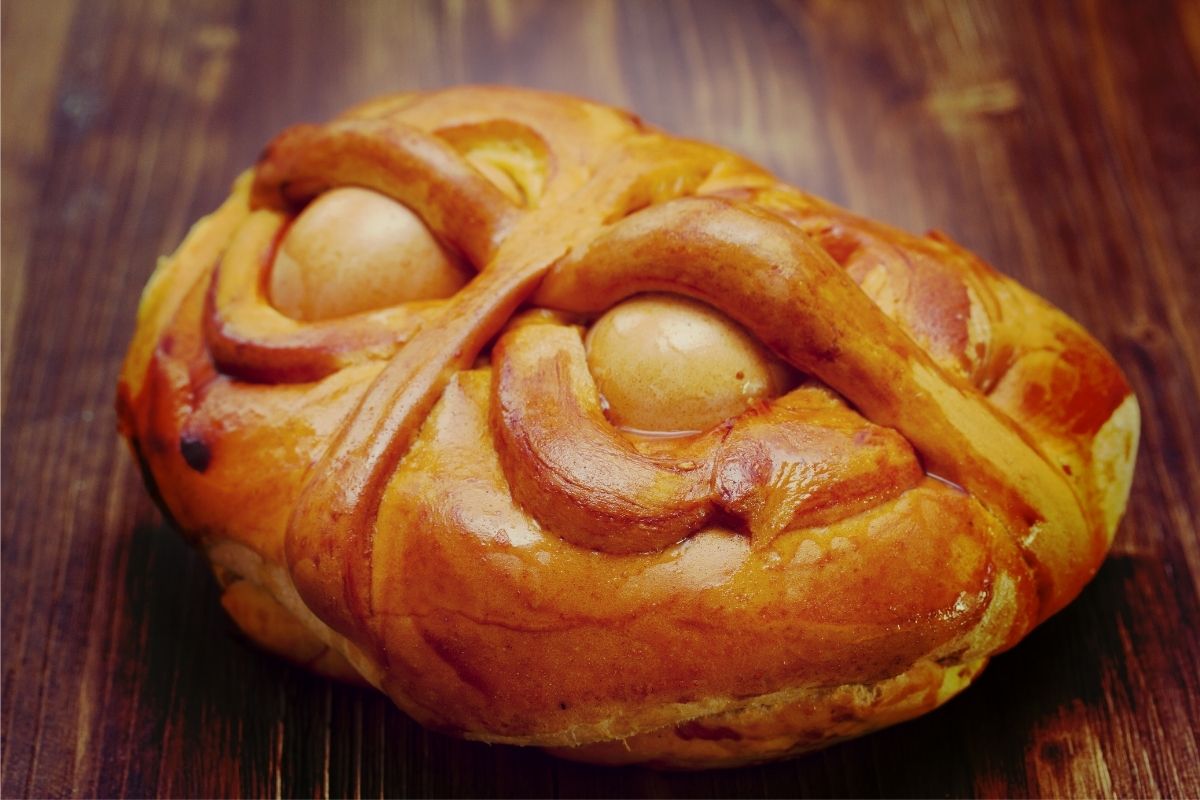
column 562, row 431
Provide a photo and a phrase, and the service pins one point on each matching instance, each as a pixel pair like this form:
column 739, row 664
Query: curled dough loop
column 569, row 467
column 770, row 277
column 459, row 205
column 802, row 461
column 250, row 339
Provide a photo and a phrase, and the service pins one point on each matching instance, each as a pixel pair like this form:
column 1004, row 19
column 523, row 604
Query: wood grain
column 1061, row 141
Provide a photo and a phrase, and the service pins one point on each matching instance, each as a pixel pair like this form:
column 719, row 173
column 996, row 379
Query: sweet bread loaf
column 562, row 431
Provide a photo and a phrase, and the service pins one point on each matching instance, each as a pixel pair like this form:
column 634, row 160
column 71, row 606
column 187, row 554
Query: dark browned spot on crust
column 1055, row 754
column 195, row 452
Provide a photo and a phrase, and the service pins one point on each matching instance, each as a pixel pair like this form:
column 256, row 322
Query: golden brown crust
column 787, row 724
column 434, row 491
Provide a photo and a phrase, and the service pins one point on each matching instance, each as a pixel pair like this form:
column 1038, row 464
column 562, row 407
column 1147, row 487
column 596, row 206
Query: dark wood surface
column 1059, row 140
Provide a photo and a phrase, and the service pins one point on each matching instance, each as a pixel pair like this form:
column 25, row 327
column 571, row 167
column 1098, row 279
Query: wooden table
column 1061, row 141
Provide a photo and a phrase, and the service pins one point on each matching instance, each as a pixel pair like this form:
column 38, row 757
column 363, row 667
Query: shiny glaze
column 799, row 462
column 514, row 566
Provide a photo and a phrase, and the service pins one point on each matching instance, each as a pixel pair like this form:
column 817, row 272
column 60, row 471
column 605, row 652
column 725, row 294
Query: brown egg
column 667, row 363
column 355, row 250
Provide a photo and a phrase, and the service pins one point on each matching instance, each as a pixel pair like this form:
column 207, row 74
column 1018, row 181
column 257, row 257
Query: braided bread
column 565, row 432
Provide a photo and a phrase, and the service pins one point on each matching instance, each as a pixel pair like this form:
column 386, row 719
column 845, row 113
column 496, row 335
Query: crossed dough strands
column 406, row 472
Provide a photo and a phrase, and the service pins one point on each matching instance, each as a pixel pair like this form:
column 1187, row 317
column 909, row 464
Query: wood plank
column 1060, row 141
